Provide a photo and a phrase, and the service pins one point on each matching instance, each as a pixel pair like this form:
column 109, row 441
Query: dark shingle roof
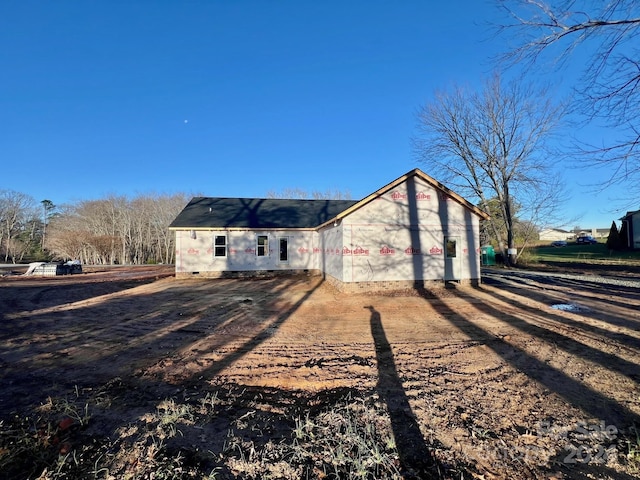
column 208, row 212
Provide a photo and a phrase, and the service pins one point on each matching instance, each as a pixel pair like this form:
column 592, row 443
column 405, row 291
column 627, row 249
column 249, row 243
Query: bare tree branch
column 607, row 34
column 491, row 145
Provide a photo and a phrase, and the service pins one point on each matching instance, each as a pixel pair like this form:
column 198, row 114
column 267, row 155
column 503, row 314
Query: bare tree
column 491, row 147
column 117, row 229
column 164, row 209
column 606, row 33
column 16, row 209
column 67, row 243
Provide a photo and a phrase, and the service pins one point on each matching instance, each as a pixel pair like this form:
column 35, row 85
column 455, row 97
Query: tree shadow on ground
column 573, row 329
column 572, row 390
column 130, row 400
column 569, row 343
column 595, row 404
column 415, row 457
column 53, row 350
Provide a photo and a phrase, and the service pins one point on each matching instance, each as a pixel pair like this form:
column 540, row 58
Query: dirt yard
column 131, row 373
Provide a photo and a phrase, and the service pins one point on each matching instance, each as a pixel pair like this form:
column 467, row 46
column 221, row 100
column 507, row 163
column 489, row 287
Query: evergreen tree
column 624, row 236
column 613, row 240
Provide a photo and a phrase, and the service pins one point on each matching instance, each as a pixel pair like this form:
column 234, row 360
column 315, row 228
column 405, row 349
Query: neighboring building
column 593, row 232
column 632, row 220
column 554, row 234
column 413, row 230
column 600, row 232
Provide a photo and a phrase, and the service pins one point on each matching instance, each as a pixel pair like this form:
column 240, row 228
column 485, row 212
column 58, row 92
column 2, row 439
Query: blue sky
column 232, row 98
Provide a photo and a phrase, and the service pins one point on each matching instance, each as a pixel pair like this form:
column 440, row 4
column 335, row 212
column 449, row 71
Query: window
column 284, row 249
column 220, row 246
column 262, row 249
column 451, row 248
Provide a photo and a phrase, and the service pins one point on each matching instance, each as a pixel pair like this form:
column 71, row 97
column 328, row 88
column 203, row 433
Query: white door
column 452, row 258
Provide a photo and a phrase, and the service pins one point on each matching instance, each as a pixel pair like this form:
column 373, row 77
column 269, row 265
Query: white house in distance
column 552, row 234
column 411, row 231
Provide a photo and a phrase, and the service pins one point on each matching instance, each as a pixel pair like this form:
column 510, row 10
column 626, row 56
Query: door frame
column 286, row 242
column 452, row 259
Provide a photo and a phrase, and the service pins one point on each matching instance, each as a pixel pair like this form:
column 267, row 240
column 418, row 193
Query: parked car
column 559, row 243
column 586, row 240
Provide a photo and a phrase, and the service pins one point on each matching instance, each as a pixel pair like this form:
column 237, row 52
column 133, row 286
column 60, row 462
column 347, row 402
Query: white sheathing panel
column 401, row 234
column 331, row 246
column 196, row 254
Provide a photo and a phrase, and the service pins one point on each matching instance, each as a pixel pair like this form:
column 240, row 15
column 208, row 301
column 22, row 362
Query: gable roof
column 630, row 214
column 209, row 212
column 416, row 172
column 270, row 213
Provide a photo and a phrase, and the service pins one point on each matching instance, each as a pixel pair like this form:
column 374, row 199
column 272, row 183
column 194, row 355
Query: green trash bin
column 488, row 257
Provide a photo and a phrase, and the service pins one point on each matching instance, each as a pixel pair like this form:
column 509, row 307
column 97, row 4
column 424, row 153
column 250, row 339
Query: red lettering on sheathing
column 209, row 250
column 435, row 251
column 387, row 251
column 423, row 196
column 360, row 251
column 412, row 251
column 398, row 196
column 346, row 251
column 193, row 251
column 250, row 250
column 233, row 250
column 303, row 250
column 317, row 250
column 465, row 250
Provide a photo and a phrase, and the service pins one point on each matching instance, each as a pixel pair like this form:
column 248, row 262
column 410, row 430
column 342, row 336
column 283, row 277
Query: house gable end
column 446, row 192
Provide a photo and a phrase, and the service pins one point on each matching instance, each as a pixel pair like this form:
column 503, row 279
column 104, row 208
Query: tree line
column 107, row 231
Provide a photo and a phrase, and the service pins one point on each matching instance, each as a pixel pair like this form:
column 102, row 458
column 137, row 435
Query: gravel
column 521, row 278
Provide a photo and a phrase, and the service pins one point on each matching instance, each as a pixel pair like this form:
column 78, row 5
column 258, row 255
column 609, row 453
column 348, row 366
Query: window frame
column 217, row 246
column 280, row 240
column 451, row 242
column 264, row 246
